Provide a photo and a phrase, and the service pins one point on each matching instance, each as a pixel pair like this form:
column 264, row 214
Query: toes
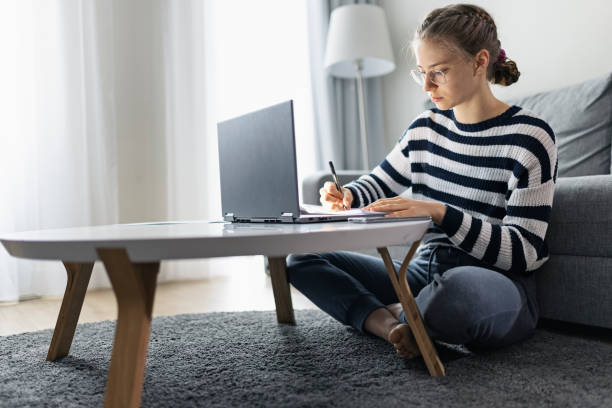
column 399, row 346
column 395, row 336
column 402, row 339
column 406, row 355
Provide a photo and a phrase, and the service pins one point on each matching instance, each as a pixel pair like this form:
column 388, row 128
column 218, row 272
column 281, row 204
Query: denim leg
column 346, row 285
column 476, row 306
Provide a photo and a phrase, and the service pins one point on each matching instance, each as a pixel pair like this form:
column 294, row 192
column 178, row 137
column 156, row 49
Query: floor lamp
column 358, row 46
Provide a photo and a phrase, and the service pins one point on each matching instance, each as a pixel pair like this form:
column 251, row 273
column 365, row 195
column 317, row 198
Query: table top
column 149, row 242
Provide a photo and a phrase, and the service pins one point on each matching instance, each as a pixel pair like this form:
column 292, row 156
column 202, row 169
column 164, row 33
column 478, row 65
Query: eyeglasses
column 435, row 76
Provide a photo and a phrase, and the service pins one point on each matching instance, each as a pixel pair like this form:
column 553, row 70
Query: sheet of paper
column 318, row 209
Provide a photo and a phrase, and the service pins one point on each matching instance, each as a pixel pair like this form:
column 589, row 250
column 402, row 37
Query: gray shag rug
column 247, row 359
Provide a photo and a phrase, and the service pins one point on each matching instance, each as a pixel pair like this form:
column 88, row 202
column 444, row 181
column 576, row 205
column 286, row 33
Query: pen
column 333, row 172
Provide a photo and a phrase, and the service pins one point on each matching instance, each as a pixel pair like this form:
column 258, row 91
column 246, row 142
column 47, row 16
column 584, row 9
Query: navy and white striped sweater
column 496, row 178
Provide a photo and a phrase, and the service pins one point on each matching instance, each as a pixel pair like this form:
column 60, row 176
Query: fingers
column 337, row 206
column 381, row 202
column 328, row 197
column 332, row 204
column 331, row 189
column 331, row 198
column 396, row 204
column 388, row 207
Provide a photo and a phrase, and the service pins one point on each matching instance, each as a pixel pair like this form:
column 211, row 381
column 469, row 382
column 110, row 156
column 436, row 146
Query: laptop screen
column 257, row 164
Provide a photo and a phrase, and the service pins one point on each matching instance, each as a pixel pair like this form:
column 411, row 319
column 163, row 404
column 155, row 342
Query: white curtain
column 112, row 108
column 193, row 190
column 104, row 119
column 59, row 153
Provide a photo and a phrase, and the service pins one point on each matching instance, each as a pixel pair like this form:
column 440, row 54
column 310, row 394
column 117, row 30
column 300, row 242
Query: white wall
column 554, row 43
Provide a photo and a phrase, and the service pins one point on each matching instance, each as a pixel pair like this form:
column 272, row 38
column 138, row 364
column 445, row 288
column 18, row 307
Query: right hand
column 334, row 200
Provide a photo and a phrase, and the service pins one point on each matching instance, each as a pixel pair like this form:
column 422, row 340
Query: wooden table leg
column 280, row 287
column 76, row 286
column 411, row 310
column 134, row 287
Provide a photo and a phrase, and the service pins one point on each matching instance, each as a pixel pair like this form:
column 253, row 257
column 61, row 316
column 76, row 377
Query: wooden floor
column 244, row 287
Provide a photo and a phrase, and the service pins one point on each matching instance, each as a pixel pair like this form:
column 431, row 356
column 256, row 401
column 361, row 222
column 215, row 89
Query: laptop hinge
column 287, row 217
column 229, row 217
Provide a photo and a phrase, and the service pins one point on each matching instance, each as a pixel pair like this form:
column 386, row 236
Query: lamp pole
column 362, row 117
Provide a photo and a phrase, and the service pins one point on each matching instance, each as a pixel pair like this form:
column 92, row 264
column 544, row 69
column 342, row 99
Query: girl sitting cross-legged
column 483, row 170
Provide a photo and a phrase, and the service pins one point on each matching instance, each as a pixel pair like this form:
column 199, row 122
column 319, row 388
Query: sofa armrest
column 581, row 220
column 313, row 183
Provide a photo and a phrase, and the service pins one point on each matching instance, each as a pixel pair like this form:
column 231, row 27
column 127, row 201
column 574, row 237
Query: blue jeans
column 461, row 300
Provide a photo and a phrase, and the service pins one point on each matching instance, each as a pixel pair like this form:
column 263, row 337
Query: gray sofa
column 575, row 285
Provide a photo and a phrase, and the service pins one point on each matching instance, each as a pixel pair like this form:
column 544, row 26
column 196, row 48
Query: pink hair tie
column 502, row 56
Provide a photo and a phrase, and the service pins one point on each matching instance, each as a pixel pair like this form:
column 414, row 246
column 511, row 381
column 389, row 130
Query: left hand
column 407, row 207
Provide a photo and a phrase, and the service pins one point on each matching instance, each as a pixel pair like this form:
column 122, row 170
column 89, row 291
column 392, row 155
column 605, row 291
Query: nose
column 428, row 85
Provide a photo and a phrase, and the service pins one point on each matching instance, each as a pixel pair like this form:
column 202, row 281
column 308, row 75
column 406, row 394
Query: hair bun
column 505, row 73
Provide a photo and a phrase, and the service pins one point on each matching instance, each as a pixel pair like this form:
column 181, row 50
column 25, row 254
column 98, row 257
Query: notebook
column 258, row 172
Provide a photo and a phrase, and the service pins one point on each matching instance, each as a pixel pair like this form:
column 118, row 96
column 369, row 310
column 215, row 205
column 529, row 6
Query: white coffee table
column 132, row 253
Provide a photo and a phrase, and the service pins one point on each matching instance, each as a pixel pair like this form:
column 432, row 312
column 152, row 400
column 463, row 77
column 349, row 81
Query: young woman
column 484, row 171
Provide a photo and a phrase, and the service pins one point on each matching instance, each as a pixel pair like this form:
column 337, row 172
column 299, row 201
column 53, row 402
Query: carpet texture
column 247, row 359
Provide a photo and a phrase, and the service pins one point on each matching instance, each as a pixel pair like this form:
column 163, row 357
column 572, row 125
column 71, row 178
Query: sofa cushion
column 581, row 219
column 576, row 289
column 581, row 117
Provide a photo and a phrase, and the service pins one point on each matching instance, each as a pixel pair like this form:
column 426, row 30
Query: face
column 463, row 77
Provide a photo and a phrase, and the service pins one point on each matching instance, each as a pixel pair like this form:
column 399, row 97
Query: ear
column 481, row 62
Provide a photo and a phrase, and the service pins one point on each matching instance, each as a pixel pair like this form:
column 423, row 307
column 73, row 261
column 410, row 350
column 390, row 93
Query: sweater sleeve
column 517, row 244
column 389, row 179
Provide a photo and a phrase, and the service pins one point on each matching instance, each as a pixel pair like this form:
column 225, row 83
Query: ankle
column 380, row 323
column 395, row 309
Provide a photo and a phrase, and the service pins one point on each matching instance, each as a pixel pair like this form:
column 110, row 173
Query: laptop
column 258, row 171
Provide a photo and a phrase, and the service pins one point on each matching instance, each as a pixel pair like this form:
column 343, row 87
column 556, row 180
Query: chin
column 443, row 105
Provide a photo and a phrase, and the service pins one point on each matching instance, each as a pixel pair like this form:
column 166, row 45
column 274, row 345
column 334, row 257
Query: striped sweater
column 496, row 179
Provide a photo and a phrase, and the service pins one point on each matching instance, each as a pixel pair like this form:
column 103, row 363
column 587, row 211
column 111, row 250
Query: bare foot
column 395, row 309
column 402, row 339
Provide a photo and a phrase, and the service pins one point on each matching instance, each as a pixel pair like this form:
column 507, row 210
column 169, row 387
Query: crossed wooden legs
column 400, row 284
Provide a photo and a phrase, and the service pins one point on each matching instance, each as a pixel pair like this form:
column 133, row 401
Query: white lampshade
column 358, row 32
